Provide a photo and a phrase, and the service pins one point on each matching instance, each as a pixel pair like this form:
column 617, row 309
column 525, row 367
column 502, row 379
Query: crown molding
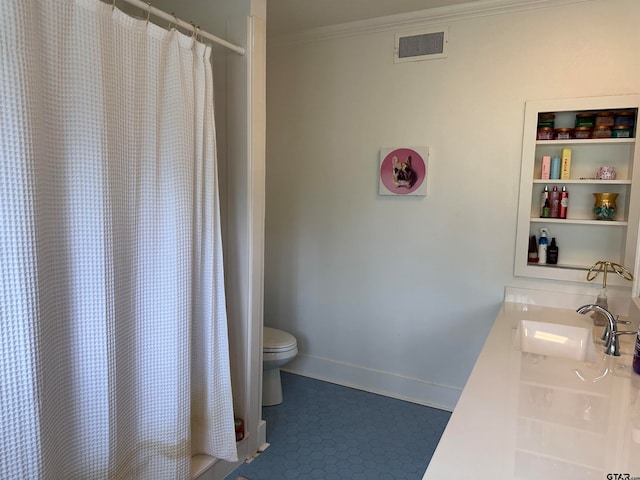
column 420, row 18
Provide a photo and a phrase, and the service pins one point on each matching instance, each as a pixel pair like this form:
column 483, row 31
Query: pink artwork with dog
column 403, row 171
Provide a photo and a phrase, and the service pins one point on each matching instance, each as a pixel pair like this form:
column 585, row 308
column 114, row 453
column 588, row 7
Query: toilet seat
column 275, row 341
column 278, row 349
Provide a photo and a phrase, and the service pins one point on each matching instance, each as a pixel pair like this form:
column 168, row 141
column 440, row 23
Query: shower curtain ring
column 175, row 21
column 113, row 5
column 148, row 11
column 195, row 32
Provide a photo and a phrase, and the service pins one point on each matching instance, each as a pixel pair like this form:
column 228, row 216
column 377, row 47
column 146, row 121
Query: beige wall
column 397, row 294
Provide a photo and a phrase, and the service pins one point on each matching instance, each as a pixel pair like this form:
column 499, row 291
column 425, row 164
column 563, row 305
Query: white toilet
column 278, row 349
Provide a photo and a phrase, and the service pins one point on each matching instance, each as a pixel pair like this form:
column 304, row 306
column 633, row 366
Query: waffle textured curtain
column 114, row 358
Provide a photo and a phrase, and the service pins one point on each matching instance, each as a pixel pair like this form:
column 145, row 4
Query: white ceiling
column 287, row 16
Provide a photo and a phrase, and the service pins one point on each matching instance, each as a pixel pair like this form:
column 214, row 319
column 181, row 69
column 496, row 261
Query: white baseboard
column 262, row 436
column 375, row 381
column 205, row 467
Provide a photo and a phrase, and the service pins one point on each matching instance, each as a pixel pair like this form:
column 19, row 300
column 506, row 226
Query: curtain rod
column 172, row 19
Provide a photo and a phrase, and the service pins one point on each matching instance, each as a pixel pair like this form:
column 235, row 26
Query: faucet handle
column 613, row 345
column 624, row 332
column 606, row 333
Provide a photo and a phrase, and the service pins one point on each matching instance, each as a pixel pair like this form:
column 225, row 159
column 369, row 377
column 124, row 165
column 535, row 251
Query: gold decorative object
column 604, row 207
column 603, row 266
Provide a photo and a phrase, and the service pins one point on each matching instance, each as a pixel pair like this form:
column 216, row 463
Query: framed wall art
column 403, row 171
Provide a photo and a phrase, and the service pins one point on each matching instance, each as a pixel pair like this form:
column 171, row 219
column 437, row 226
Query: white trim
column 262, row 436
column 255, row 185
column 388, row 384
column 635, row 290
column 634, row 311
column 417, row 19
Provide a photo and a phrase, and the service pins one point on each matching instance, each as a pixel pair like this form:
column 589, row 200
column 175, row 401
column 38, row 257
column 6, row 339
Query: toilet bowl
column 278, row 349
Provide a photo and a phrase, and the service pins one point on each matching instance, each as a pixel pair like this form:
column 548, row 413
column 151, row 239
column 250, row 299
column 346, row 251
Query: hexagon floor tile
column 323, row 431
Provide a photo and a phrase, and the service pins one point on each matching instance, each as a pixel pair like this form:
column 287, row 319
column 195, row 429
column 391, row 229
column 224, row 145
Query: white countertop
column 523, row 416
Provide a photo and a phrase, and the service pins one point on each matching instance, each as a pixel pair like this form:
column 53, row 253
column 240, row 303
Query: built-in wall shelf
column 582, row 239
column 588, row 141
column 582, row 181
column 582, row 268
column 579, row 221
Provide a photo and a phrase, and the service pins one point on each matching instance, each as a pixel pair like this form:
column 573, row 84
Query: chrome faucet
column 606, row 333
column 612, row 345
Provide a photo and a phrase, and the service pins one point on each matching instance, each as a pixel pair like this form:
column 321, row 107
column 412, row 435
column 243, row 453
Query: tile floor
column 329, row 432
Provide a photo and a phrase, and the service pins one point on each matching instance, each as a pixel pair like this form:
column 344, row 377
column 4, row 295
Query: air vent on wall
column 421, row 45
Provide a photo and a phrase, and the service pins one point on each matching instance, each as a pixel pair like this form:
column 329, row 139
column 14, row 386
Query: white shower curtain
column 114, row 357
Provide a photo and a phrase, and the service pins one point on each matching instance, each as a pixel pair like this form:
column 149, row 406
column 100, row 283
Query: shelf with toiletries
column 596, row 169
column 581, row 202
column 579, row 246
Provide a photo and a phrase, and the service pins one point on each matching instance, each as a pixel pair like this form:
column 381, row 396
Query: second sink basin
column 555, row 340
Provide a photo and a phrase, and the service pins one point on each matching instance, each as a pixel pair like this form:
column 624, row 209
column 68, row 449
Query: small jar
column 604, row 119
column 564, row 133
column 546, row 120
column 545, row 133
column 585, row 120
column 601, row 131
column 621, row 131
column 582, row 133
column 626, row 118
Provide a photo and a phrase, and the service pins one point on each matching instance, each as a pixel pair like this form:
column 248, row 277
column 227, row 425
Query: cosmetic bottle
column 564, row 202
column 565, row 173
column 544, row 199
column 533, row 250
column 542, row 246
column 545, row 167
column 555, row 167
column 554, row 201
column 552, row 252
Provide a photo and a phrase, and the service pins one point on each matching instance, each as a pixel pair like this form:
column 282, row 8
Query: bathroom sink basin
column 555, row 340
